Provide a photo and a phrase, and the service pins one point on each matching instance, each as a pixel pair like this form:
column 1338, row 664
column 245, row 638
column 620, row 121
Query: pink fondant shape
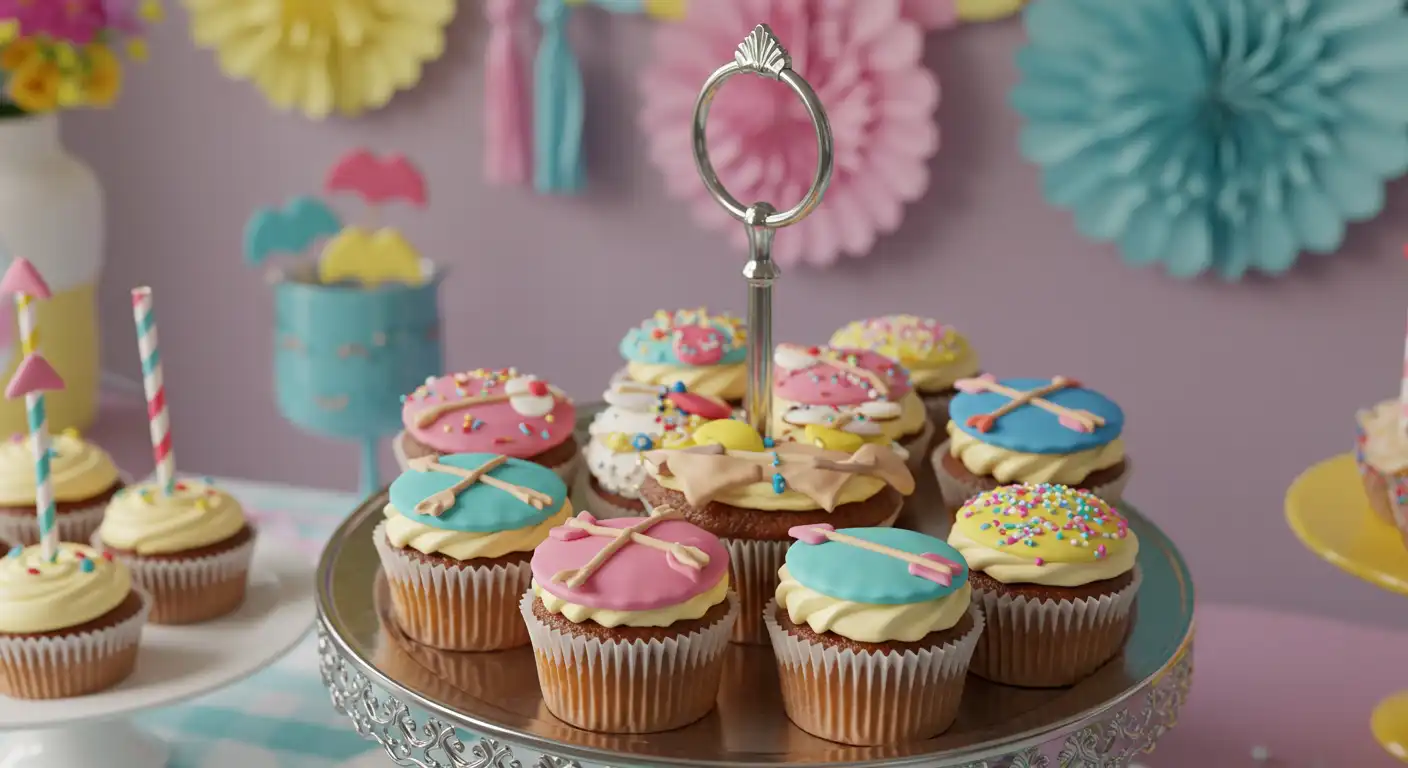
column 377, row 180
column 826, row 384
column 975, row 385
column 636, row 577
column 21, row 278
column 703, row 406
column 564, row 533
column 810, row 534
column 933, row 574
column 34, row 374
column 493, row 428
column 698, row 345
column 1075, row 425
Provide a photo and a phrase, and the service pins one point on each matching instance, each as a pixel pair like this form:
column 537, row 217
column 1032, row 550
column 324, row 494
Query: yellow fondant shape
column 370, row 258
column 833, row 439
column 730, row 433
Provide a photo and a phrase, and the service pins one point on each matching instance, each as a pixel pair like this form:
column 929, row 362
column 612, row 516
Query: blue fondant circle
column 847, row 572
column 640, row 346
column 1030, row 429
column 481, row 508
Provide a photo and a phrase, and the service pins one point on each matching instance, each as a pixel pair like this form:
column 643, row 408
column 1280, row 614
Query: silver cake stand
column 434, row 709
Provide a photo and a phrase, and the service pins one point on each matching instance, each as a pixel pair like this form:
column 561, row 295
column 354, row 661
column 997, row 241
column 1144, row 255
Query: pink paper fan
column 863, row 57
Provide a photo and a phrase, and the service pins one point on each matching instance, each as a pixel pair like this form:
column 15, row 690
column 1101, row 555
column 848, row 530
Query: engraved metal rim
column 769, row 60
column 482, row 728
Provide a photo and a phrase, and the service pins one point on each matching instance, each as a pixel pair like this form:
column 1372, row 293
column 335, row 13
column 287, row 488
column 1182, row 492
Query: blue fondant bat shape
column 291, row 229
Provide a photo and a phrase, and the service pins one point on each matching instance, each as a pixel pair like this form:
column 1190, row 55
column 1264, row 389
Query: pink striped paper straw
column 157, row 417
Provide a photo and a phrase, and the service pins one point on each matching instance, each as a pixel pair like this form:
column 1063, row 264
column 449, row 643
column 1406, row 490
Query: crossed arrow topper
column 928, row 566
column 681, row 558
column 438, row 503
column 1071, row 418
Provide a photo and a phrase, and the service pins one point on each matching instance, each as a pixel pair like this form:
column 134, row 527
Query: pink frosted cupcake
column 629, row 620
column 861, row 394
column 483, row 411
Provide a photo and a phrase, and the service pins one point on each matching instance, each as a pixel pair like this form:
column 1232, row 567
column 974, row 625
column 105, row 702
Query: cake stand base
column 111, row 744
column 1390, row 725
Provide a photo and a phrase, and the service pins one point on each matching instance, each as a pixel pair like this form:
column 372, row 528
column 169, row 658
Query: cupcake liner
column 1378, row 486
column 957, row 491
column 586, row 497
column 629, row 687
column 62, row 666
column 753, row 565
column 865, row 698
column 190, row 590
column 1048, row 643
column 937, row 405
column 78, row 525
column 918, row 447
column 454, row 608
column 567, row 470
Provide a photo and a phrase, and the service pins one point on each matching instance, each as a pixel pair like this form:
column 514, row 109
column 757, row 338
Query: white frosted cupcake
column 84, row 478
column 190, row 550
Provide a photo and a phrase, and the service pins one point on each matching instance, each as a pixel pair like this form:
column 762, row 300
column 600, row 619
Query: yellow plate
column 1328, row 512
column 1390, row 724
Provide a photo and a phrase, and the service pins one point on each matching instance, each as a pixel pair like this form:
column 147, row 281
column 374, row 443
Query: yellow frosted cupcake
column 85, row 479
column 936, row 355
column 69, row 625
column 190, row 551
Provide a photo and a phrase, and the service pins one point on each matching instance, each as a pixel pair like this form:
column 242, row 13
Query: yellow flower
column 152, row 12
column 137, row 49
column 71, row 93
column 104, row 79
column 35, row 88
column 9, row 30
column 18, row 54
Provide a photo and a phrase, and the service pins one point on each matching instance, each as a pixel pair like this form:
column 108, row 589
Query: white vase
column 51, row 212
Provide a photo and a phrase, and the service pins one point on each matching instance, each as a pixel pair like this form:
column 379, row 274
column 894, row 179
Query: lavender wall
column 1231, row 389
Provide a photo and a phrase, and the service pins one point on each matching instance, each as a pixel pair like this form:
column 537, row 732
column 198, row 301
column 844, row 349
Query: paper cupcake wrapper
column 864, row 698
column 1048, row 643
column 753, row 566
column 585, row 497
column 78, row 525
column 189, row 591
column 454, row 608
column 62, row 666
column 957, row 491
column 612, row 686
column 567, row 470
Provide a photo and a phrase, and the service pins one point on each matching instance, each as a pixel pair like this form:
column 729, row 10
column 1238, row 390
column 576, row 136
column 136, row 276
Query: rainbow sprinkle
column 1039, row 515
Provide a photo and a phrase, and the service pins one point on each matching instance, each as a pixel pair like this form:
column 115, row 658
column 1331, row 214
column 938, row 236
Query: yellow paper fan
column 321, row 56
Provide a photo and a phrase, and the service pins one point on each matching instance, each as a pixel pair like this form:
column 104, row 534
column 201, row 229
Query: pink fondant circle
column 492, row 427
column 636, row 577
column 827, row 384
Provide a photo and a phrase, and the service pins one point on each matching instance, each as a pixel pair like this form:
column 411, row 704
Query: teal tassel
column 557, row 106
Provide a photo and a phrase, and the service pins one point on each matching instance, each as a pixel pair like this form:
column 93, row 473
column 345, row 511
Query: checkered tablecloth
column 281, row 717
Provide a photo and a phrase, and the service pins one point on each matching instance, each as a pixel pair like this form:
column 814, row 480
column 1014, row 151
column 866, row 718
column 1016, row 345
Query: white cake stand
column 174, row 664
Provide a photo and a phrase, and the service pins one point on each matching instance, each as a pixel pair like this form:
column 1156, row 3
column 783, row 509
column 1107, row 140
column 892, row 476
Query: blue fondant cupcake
column 873, row 629
column 456, row 545
column 1009, row 431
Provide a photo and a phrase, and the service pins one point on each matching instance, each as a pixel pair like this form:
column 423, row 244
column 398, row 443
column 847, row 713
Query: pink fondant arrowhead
column 23, row 279
column 33, row 375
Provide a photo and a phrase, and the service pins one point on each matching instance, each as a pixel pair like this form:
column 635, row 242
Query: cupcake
column 629, row 620
column 850, row 390
column 84, row 477
column 455, row 546
column 873, row 629
column 190, row 550
column 935, row 355
column 1054, row 571
column 1381, row 453
column 69, row 625
column 734, row 486
column 502, row 412
column 638, row 418
column 706, row 352
column 1031, row 431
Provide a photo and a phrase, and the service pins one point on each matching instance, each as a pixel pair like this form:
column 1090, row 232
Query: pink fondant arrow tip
column 33, row 375
column 941, row 576
column 810, row 534
column 21, row 278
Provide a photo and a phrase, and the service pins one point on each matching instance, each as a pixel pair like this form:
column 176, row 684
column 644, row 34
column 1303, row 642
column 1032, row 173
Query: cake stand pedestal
column 174, row 664
column 1327, row 511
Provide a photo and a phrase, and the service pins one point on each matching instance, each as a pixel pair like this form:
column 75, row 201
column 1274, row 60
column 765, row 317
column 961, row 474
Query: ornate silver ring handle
column 760, row 53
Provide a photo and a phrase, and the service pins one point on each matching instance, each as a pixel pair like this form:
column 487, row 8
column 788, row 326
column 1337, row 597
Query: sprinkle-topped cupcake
column 873, row 630
column 638, row 418
column 703, row 350
column 70, row 625
column 458, row 536
column 189, row 550
column 84, row 479
column 1054, row 569
column 482, row 411
column 751, row 493
column 853, row 391
column 935, row 354
column 1032, row 431
column 629, row 620
column 1381, row 453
